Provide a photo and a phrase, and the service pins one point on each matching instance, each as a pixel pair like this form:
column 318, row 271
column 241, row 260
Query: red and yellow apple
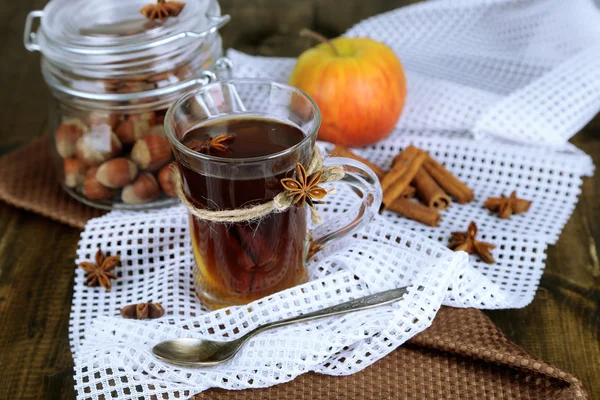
column 359, row 86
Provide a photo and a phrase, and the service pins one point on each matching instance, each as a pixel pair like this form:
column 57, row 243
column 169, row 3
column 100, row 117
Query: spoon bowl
column 196, row 352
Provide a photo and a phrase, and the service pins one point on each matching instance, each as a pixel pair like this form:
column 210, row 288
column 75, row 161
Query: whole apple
column 359, row 85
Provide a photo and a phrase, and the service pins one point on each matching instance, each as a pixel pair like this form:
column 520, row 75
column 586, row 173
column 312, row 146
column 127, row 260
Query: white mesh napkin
column 496, row 87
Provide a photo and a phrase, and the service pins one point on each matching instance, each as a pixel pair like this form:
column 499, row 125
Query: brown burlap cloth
column 28, row 180
column 461, row 356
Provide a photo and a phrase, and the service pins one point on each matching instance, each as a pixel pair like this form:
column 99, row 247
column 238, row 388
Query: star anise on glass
column 507, row 206
column 162, row 9
column 143, row 311
column 99, row 273
column 218, row 144
column 304, row 189
column 466, row 241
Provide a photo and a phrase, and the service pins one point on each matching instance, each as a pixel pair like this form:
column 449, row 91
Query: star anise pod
column 162, row 9
column 507, row 206
column 99, row 273
column 210, row 146
column 465, row 241
column 143, row 311
column 304, row 189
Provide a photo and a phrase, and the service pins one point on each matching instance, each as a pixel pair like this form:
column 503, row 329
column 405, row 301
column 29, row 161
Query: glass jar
column 113, row 73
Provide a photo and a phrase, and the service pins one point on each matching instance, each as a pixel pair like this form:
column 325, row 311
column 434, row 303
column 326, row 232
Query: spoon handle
column 362, row 303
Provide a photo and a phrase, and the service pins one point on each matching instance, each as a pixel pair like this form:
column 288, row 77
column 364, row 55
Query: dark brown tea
column 241, row 262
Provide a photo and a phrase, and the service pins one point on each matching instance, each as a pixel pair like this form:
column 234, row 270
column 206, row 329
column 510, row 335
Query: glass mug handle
column 363, row 182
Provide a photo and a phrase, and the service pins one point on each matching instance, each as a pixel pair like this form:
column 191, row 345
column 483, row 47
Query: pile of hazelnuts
column 115, row 157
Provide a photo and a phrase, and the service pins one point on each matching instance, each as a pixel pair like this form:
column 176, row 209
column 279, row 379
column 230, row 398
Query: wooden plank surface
column 37, row 255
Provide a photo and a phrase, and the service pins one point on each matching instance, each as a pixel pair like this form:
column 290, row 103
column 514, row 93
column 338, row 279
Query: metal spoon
column 201, row 353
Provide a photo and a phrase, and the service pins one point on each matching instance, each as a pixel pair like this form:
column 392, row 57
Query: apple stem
column 305, row 32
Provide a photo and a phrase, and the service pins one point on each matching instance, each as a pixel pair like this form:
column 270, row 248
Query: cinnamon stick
column 455, row 188
column 404, row 169
column 416, row 211
column 341, row 151
column 429, row 191
column 409, row 192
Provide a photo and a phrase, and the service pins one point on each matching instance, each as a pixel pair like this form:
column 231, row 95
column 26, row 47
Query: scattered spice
column 304, row 189
column 409, row 192
column 430, row 193
column 507, row 206
column 405, row 167
column 341, row 151
column 143, row 311
column 415, row 172
column 162, row 9
column 416, row 211
column 218, row 144
column 454, row 187
column 99, row 273
column 466, row 241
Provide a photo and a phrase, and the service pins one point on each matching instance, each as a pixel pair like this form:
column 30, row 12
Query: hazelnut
column 132, row 87
column 164, row 76
column 165, row 178
column 98, row 145
column 149, row 117
column 99, row 117
column 183, row 72
column 94, row 190
column 160, row 119
column 74, row 170
column 151, row 152
column 91, row 172
column 156, row 130
column 144, row 189
column 131, row 130
column 125, row 133
column 66, row 137
column 117, row 172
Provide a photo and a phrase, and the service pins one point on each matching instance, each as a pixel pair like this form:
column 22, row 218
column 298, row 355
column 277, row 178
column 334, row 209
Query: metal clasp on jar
column 30, row 37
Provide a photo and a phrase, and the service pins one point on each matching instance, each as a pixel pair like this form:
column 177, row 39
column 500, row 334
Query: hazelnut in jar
column 113, row 72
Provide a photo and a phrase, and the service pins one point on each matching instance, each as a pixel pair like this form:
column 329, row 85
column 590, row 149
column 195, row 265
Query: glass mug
column 237, row 263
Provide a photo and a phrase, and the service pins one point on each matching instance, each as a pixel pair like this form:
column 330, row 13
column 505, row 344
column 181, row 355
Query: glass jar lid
column 114, row 28
column 90, row 44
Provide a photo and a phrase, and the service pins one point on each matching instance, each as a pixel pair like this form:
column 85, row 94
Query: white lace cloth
column 496, row 88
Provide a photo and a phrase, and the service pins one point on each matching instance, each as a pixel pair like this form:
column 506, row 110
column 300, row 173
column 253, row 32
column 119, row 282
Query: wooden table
column 562, row 325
